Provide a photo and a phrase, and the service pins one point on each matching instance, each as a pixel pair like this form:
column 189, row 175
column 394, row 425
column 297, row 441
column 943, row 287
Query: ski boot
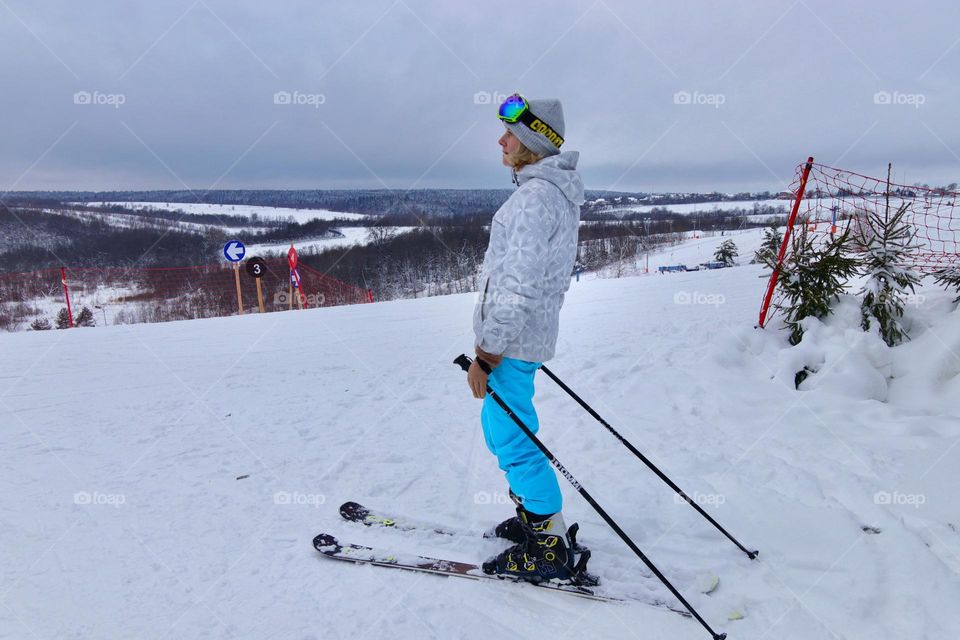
column 547, row 551
column 510, row 529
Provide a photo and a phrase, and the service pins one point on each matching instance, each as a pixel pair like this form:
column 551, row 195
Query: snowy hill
column 165, row 481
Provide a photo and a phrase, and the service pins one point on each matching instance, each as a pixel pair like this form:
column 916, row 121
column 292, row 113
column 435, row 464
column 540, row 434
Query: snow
column 125, row 221
column 350, row 236
column 698, row 207
column 213, row 210
column 695, row 249
column 123, row 514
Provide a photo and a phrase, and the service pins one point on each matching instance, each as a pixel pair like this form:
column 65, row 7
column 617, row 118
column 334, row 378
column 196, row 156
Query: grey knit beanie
column 550, row 111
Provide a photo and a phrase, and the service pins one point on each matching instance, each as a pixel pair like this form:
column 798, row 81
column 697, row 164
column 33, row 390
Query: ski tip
column 326, row 543
column 709, row 583
column 354, row 511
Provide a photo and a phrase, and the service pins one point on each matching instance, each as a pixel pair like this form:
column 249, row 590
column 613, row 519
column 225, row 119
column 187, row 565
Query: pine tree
column 41, row 324
column 812, row 277
column 726, row 253
column 949, row 278
column 887, row 240
column 63, row 318
column 84, row 318
column 770, row 247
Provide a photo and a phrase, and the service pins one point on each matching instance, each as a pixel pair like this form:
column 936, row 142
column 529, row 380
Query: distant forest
column 370, row 201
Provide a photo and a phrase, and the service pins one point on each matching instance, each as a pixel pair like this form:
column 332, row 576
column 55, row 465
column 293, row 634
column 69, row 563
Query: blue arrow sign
column 234, row 251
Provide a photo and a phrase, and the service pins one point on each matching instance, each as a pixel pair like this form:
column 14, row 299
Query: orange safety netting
column 837, row 198
column 146, row 294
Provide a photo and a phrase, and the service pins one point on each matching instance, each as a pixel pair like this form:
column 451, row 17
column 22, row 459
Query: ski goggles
column 516, row 109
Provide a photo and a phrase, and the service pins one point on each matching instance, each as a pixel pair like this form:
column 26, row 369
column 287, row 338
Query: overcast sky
column 658, row 96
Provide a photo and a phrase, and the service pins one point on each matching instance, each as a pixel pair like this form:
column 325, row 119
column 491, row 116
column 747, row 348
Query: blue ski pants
column 529, row 474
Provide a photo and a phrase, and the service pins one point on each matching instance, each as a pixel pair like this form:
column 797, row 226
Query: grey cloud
column 768, row 83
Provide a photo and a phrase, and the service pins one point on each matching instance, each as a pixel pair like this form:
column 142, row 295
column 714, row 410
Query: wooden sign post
column 236, row 273
column 256, row 267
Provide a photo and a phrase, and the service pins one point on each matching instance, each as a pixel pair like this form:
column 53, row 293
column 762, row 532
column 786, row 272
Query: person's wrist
column 491, row 359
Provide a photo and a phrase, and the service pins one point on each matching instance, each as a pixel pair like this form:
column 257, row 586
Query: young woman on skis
column 526, row 271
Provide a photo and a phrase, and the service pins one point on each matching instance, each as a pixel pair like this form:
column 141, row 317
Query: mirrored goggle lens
column 512, row 107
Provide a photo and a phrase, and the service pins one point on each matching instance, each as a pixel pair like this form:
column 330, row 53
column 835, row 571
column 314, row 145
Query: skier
column 526, row 271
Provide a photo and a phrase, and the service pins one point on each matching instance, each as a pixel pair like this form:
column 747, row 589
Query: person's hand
column 477, row 380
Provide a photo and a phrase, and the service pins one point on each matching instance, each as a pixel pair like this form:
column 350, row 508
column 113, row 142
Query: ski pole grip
column 463, row 361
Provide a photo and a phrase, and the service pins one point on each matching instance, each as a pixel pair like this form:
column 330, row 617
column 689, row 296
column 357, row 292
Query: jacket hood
column 560, row 169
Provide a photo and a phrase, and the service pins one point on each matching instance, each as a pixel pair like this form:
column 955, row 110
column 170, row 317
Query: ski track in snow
column 122, row 515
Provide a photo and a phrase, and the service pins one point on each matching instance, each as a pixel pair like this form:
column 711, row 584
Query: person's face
column 509, row 144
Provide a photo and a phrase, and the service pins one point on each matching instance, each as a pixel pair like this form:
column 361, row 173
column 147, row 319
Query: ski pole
column 464, row 362
column 750, row 554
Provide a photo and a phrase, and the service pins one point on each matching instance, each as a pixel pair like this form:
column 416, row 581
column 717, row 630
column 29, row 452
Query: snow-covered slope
column 165, row 481
column 214, row 210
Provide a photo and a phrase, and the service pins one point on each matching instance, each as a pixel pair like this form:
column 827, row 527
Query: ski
column 330, row 547
column 356, row 512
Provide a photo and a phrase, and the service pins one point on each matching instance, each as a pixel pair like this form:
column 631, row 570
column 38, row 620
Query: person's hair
column 522, row 157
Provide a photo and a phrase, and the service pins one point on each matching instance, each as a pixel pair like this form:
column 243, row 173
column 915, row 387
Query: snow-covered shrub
column 84, row 318
column 949, row 278
column 812, row 277
column 726, row 253
column 887, row 241
column 63, row 318
column 770, row 247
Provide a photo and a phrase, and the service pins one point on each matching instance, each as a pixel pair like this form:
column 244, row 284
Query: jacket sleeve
column 522, row 279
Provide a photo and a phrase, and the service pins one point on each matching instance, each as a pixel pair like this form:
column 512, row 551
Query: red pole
column 66, row 293
column 786, row 239
column 303, row 298
column 370, row 294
